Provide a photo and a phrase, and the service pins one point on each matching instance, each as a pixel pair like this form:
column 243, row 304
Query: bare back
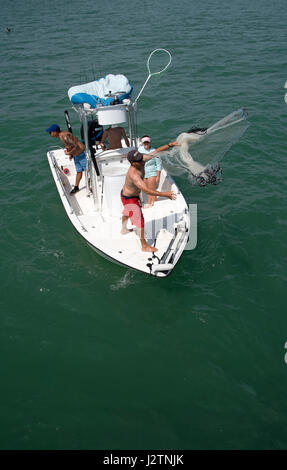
column 73, row 146
column 114, row 136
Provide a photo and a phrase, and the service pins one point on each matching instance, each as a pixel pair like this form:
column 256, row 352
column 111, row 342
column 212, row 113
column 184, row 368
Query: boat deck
column 102, row 229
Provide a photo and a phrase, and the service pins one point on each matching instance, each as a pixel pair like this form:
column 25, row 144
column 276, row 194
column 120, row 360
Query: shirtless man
column 114, row 136
column 74, row 148
column 134, row 184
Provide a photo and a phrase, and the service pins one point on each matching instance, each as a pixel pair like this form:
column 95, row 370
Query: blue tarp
column 94, row 93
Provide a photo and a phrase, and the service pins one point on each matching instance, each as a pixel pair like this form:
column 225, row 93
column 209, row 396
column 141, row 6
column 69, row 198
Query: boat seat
column 114, row 174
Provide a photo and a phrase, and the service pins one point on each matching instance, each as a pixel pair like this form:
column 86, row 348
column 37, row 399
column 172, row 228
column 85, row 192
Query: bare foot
column 148, row 248
column 124, row 231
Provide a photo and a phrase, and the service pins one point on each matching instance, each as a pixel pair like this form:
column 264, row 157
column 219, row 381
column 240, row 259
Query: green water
column 94, row 356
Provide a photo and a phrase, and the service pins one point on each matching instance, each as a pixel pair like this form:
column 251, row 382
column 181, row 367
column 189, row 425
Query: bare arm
column 71, row 143
column 166, row 147
column 160, row 149
column 157, row 177
column 102, row 143
column 143, row 187
column 125, row 137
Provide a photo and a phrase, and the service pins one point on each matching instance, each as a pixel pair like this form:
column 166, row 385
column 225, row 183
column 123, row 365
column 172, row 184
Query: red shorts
column 132, row 209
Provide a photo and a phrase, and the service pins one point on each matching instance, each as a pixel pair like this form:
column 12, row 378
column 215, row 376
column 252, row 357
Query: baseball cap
column 135, row 156
column 53, row 127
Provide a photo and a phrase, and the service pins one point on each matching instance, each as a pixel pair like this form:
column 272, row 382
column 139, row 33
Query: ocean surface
column 96, row 356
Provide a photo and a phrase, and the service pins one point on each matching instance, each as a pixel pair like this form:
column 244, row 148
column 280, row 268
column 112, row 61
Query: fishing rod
column 68, row 122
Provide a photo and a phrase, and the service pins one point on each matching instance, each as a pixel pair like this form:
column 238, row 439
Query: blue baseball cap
column 53, row 127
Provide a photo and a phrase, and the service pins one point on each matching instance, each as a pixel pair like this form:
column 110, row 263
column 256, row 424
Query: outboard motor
column 95, row 132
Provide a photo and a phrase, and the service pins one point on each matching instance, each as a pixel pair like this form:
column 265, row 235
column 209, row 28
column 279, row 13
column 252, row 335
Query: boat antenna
column 153, row 73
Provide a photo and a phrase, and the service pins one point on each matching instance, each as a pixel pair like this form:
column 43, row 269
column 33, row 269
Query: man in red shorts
column 134, row 184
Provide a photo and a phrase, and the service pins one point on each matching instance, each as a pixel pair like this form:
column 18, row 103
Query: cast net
column 201, row 150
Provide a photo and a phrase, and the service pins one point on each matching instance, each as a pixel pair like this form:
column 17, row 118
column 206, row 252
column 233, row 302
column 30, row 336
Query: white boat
column 96, row 210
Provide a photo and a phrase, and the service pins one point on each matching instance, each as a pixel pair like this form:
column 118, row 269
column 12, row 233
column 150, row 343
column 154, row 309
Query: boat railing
column 95, row 179
column 60, row 182
column 96, row 182
column 85, row 111
column 54, row 147
column 167, row 261
column 58, row 169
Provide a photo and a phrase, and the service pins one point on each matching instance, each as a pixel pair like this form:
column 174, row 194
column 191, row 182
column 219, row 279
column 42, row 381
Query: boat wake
column 201, row 150
column 123, row 282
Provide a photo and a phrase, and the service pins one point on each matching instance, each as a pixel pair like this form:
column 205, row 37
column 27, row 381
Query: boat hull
column 167, row 224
